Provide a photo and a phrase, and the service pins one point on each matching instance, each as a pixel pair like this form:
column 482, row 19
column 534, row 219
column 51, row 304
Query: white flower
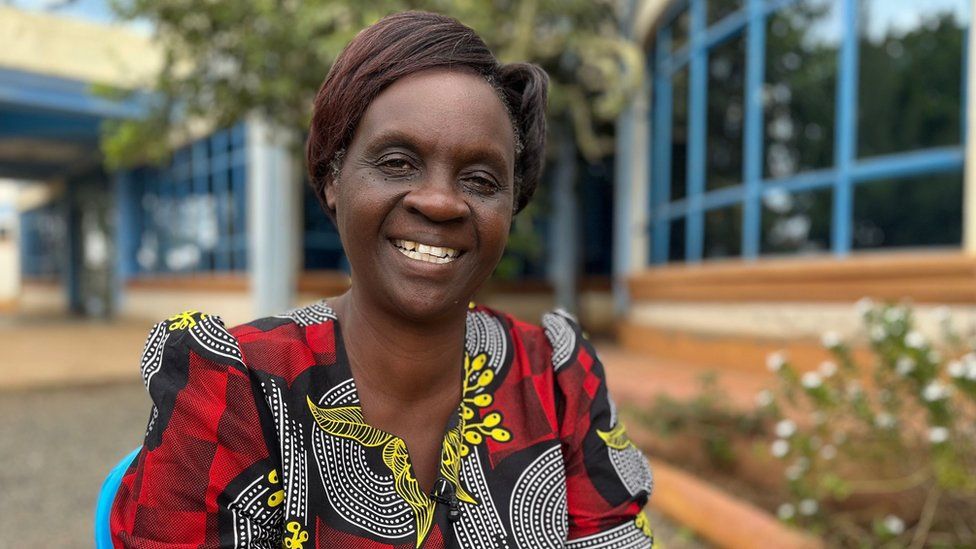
column 764, row 398
column 828, row 368
column 775, row 361
column 793, row 472
column 808, row 507
column 915, row 339
column 811, row 380
column 938, row 435
column 971, row 372
column 864, row 306
column 884, row 420
column 830, row 339
column 956, row 369
column 878, row 333
column 828, row 452
column 934, row 391
column 904, row 365
column 893, row 524
column 785, row 428
column 942, row 314
column 780, row 448
column 894, row 314
column 786, row 511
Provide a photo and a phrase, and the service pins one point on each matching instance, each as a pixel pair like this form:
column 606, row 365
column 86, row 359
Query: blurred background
column 725, row 180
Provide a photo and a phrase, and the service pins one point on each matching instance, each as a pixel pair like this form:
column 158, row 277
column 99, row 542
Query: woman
column 396, row 414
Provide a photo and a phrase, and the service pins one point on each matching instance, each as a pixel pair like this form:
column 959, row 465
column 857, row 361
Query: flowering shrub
column 881, row 453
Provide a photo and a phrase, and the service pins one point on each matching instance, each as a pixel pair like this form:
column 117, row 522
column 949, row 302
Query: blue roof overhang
column 49, row 125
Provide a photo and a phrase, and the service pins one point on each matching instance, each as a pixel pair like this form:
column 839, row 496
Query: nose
column 438, row 199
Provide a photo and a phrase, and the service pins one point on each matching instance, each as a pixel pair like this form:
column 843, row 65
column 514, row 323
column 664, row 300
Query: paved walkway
column 72, row 406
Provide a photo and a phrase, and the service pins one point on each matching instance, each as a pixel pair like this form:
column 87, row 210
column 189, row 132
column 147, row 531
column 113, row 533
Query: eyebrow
column 481, row 152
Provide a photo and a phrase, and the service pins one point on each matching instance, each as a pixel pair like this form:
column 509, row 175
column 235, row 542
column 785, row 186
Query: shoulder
column 555, row 342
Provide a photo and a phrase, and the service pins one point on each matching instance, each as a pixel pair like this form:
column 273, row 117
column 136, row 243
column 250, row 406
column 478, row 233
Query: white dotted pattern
column 480, row 526
column 358, row 494
column 316, row 313
column 538, row 511
column 152, row 355
column 294, row 466
column 633, row 470
column 484, row 333
column 561, row 336
column 253, row 522
column 210, row 333
column 625, row 536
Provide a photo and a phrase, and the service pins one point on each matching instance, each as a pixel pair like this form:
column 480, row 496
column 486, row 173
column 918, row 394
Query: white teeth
column 427, row 253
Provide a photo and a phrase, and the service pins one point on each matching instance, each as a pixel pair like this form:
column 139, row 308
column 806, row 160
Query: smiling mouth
column 426, row 252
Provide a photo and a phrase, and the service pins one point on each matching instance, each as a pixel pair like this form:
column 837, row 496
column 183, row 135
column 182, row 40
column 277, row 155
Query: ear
column 330, row 192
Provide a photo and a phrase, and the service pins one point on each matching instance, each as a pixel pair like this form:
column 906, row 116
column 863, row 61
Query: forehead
column 442, row 108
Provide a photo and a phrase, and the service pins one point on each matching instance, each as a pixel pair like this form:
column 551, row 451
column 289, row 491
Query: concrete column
column 631, row 195
column 969, row 190
column 273, row 234
column 564, row 234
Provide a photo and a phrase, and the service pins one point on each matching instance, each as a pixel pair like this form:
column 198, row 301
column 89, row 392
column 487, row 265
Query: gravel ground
column 57, row 445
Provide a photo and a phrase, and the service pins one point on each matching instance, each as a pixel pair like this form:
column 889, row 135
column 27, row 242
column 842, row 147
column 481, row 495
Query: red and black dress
column 257, row 439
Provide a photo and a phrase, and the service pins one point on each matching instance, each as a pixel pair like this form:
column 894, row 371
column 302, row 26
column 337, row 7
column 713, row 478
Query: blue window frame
column 42, row 242
column 813, row 127
column 189, row 216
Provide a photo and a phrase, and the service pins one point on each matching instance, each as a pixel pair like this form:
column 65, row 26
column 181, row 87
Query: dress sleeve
column 207, row 474
column 608, row 480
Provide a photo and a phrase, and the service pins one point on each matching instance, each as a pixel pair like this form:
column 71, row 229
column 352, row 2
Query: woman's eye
column 482, row 185
column 395, row 165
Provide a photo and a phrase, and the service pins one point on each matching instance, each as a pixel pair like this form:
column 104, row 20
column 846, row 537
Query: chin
column 425, row 306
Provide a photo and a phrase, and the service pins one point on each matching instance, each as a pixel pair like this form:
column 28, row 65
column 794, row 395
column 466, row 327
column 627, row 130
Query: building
column 226, row 226
column 787, row 158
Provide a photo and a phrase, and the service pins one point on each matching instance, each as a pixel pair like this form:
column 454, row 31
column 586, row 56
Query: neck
column 404, row 361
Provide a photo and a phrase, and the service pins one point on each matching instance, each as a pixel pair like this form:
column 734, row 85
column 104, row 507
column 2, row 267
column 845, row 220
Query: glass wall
column 785, row 127
column 42, row 242
column 189, row 216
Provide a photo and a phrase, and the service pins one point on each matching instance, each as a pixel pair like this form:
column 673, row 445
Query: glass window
column 679, row 134
column 726, row 81
column 796, row 223
column 723, row 232
column 719, row 9
column 676, row 240
column 802, row 42
column 910, row 81
column 680, row 30
column 917, row 211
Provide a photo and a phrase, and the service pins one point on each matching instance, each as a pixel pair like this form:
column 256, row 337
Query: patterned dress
column 257, row 439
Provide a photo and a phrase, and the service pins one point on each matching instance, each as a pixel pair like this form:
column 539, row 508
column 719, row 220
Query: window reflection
column 679, row 134
column 797, row 222
column 911, row 56
column 680, row 30
column 720, row 9
column 676, row 240
column 723, row 232
column 802, row 42
column 918, row 211
column 726, row 85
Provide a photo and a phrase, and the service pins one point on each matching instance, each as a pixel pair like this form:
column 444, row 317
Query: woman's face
column 425, row 196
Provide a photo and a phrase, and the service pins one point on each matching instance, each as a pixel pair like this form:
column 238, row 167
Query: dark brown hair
column 405, row 43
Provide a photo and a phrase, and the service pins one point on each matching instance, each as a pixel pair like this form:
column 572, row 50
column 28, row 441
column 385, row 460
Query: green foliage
column 226, row 59
column 889, row 454
column 710, row 419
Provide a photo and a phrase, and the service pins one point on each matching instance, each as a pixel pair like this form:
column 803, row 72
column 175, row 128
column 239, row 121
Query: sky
column 97, row 11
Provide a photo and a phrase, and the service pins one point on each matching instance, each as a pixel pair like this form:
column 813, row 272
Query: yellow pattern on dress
column 348, row 422
column 184, row 320
column 298, row 536
column 616, row 438
column 473, row 399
